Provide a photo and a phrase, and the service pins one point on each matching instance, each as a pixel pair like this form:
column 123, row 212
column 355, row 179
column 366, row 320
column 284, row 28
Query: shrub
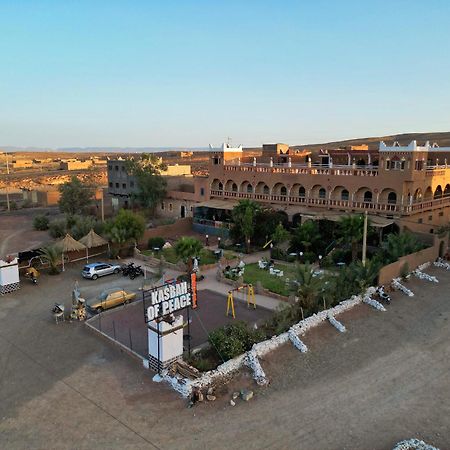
column 40, row 223
column 156, row 242
column 57, row 228
column 234, row 339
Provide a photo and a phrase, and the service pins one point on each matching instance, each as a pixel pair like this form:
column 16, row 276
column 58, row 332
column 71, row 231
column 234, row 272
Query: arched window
column 301, row 191
column 367, row 197
column 344, row 195
column 392, row 198
column 220, row 187
column 438, row 192
column 266, row 190
column 234, row 187
column 283, row 191
column 249, row 188
column 322, row 193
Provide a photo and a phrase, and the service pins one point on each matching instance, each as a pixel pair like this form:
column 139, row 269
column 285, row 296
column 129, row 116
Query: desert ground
column 17, row 233
column 384, row 380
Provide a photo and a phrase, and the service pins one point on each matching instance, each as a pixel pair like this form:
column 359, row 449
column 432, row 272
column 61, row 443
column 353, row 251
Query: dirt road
column 384, row 380
column 17, row 233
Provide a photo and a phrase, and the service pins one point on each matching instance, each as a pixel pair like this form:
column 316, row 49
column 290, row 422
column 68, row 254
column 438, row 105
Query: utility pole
column 7, row 183
column 103, row 207
column 364, row 248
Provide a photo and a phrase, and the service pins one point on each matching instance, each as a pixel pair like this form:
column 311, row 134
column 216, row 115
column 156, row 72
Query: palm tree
column 365, row 275
column 306, row 236
column 397, row 245
column 186, row 248
column 52, row 256
column 351, row 230
column 309, row 286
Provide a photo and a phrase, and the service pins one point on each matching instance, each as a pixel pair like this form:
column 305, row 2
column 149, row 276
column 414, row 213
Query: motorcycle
column 135, row 272
column 127, row 269
column 383, row 295
column 32, row 274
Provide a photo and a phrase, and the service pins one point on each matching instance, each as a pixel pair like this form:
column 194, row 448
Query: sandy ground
column 384, row 380
column 17, row 233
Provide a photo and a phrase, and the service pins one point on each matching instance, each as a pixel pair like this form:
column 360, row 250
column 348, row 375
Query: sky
column 189, row 73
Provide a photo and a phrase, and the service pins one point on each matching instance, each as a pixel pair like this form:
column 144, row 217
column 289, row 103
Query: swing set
column 249, row 294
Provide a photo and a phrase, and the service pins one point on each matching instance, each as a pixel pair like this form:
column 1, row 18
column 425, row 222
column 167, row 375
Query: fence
column 394, row 270
column 127, row 330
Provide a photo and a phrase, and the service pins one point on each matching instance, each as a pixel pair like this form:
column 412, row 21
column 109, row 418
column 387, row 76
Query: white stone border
column 413, row 444
column 184, row 386
column 441, row 263
column 424, row 276
column 374, row 303
column 399, row 286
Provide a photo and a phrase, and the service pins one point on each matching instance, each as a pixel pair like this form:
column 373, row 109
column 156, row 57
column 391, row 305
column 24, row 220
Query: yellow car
column 109, row 299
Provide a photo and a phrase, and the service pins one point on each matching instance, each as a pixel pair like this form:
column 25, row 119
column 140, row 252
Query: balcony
column 303, row 169
column 329, row 203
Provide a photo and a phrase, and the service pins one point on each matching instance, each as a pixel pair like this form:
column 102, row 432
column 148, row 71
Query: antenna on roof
column 229, row 141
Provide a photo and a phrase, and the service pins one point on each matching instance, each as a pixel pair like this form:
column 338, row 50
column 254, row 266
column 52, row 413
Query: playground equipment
column 248, row 292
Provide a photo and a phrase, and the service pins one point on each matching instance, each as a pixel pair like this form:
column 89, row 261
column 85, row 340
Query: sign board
column 168, row 298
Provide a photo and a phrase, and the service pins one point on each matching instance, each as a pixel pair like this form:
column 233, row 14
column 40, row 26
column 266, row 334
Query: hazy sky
column 189, row 73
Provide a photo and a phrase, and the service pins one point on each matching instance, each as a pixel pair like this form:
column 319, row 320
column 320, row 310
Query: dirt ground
column 17, row 233
column 384, row 380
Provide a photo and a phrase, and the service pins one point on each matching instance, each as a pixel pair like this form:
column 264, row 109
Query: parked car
column 109, row 299
column 99, row 269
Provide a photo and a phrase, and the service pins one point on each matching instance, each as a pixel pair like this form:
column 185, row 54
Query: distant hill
column 441, row 138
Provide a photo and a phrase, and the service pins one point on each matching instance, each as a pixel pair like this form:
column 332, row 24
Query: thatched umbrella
column 92, row 239
column 69, row 244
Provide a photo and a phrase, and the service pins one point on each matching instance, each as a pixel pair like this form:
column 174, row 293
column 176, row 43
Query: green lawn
column 276, row 284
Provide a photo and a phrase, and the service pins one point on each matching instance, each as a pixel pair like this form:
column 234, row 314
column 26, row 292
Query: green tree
column 75, row 196
column 306, row 237
column 151, row 185
column 125, row 226
column 244, row 217
column 52, row 256
column 397, row 245
column 266, row 221
column 309, row 287
column 280, row 235
column 186, row 248
column 81, row 225
column 351, row 229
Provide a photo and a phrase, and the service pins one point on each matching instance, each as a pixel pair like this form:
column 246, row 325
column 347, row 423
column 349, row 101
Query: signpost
column 160, row 305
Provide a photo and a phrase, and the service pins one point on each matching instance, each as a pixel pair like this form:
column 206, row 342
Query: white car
column 99, row 269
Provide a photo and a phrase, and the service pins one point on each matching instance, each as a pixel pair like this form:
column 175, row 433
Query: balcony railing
column 211, row 223
column 303, row 169
column 333, row 203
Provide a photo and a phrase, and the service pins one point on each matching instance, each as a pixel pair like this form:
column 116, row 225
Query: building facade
column 408, row 185
column 180, row 196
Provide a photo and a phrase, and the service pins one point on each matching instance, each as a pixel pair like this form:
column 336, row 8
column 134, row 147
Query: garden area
column 334, row 246
column 253, row 274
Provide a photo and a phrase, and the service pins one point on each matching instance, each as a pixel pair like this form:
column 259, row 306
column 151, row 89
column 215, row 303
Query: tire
column 116, row 271
column 99, row 309
column 94, row 277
